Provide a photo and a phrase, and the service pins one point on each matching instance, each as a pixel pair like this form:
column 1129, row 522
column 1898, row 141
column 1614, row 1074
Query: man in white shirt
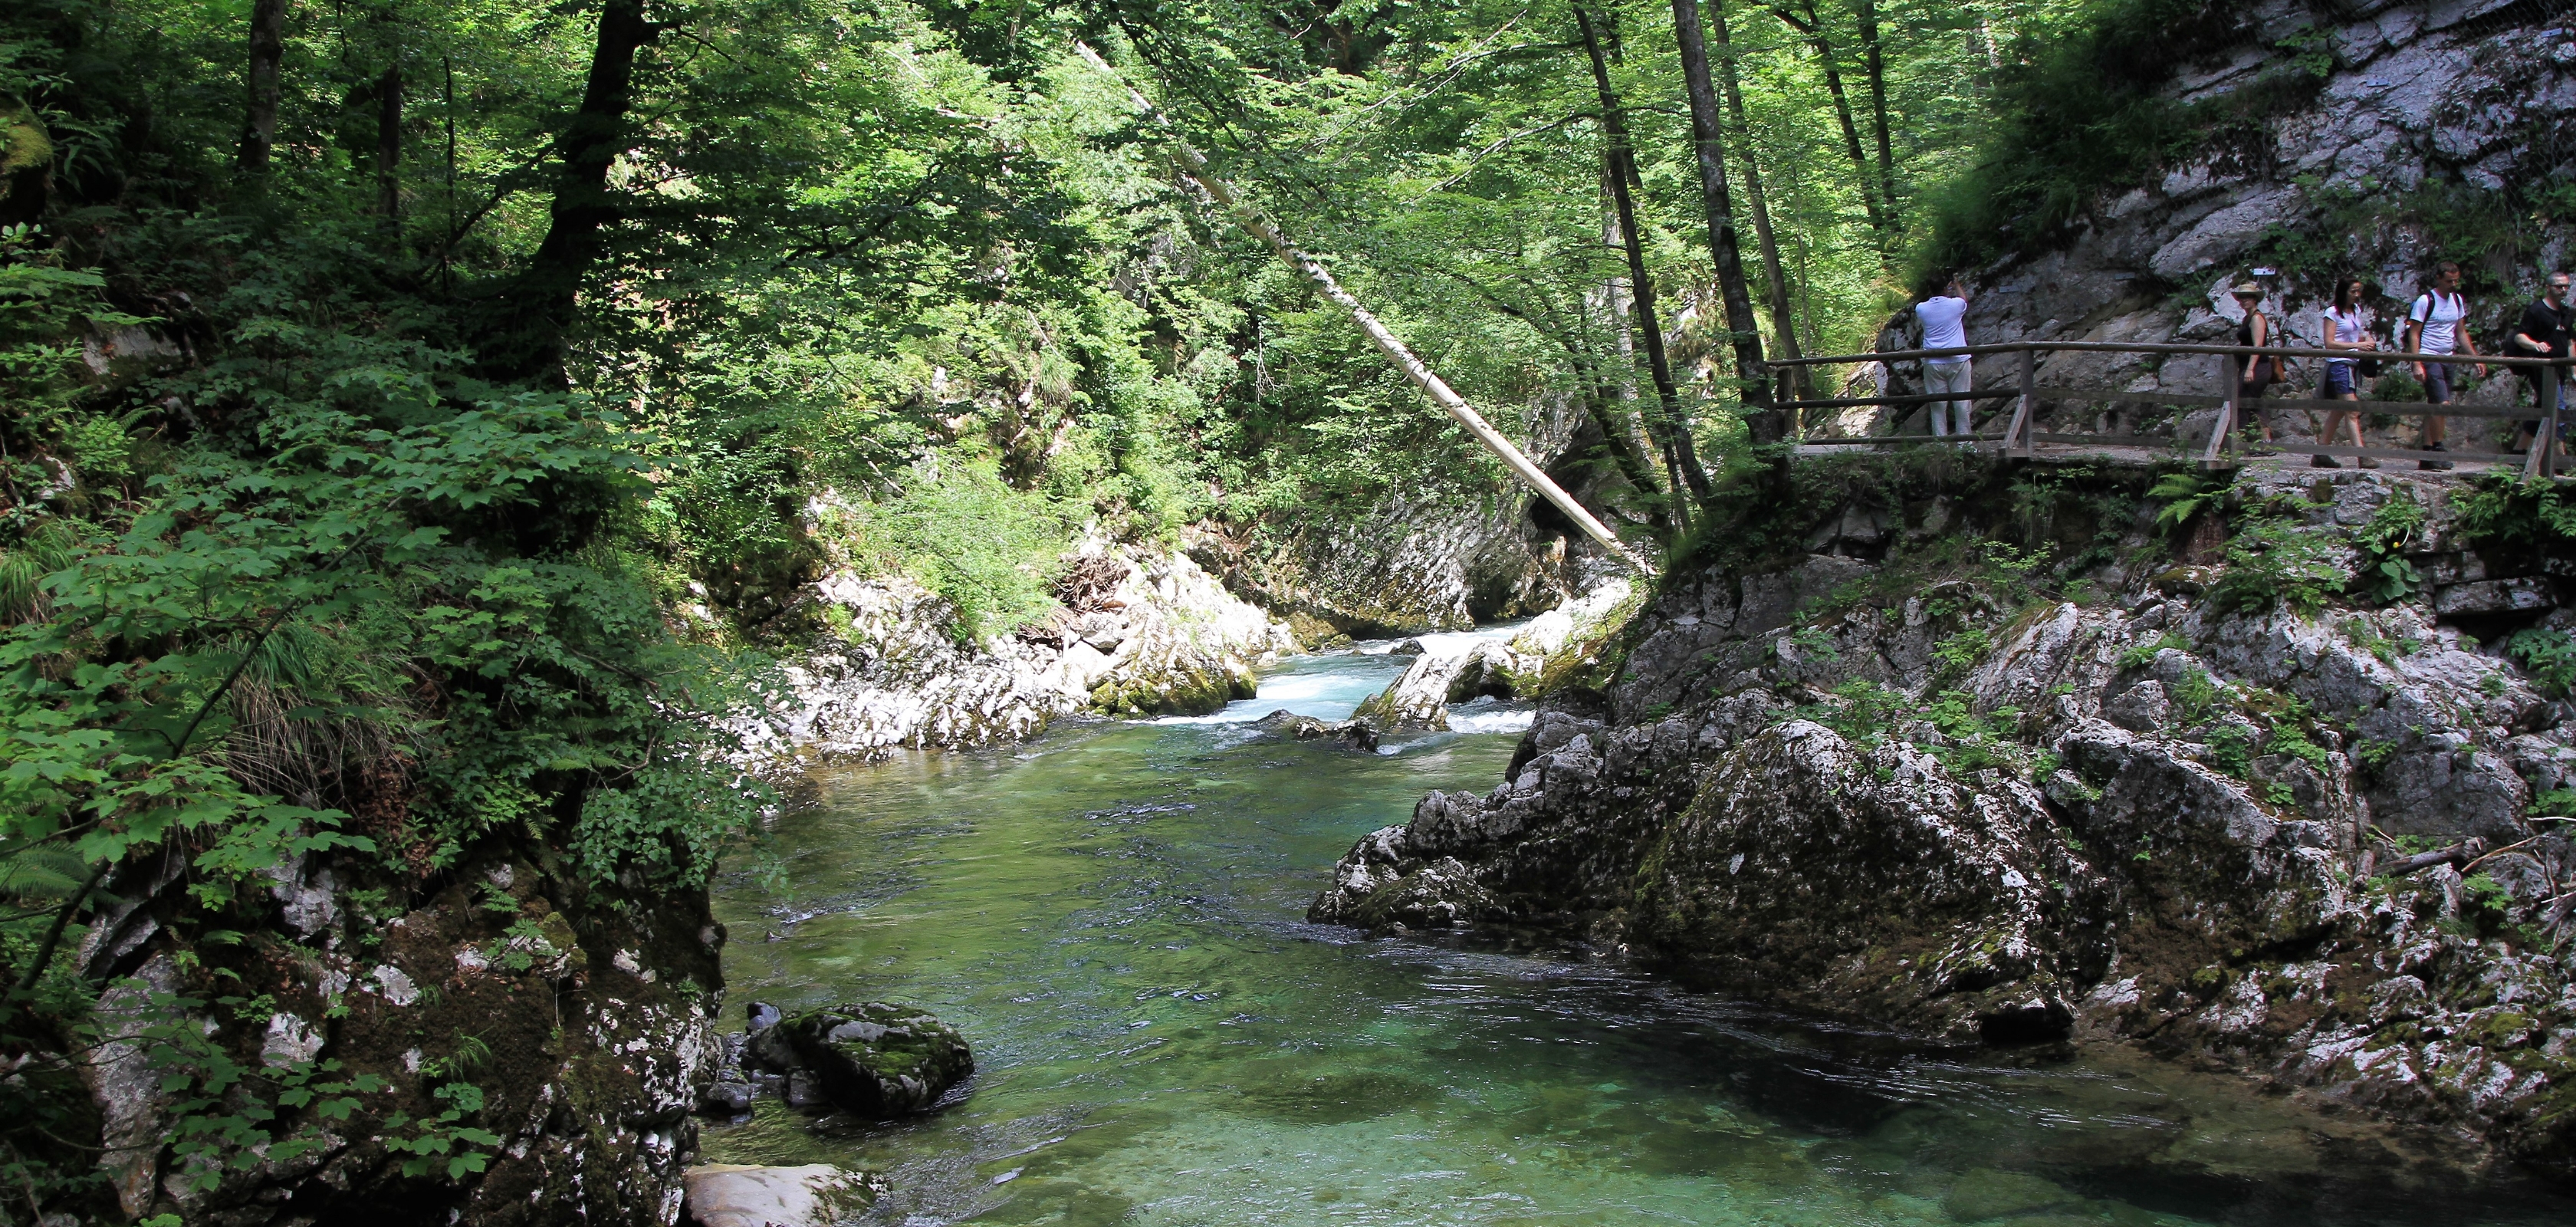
column 2438, row 323
column 1941, row 316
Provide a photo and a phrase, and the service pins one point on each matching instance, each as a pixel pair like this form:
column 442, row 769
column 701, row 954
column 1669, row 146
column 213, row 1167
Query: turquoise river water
column 1114, row 916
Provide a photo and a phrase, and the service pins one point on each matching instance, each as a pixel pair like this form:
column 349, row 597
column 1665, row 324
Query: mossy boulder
column 873, row 1059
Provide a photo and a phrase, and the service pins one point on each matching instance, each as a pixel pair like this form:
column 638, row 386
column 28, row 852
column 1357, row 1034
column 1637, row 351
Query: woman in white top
column 2345, row 326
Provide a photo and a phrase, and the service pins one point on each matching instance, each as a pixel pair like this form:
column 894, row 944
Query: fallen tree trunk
column 2457, row 854
column 1414, row 368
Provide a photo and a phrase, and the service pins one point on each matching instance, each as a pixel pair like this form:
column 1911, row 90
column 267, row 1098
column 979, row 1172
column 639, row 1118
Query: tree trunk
column 1753, row 377
column 1675, row 432
column 1814, row 30
column 1783, row 323
column 1871, row 59
column 389, row 118
column 267, row 51
column 527, row 333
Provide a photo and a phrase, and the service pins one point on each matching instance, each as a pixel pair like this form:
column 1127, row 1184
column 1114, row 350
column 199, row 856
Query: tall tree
column 533, row 317
column 1708, row 134
column 1671, row 425
column 1812, row 28
column 1875, row 63
column 1784, row 324
column 267, row 54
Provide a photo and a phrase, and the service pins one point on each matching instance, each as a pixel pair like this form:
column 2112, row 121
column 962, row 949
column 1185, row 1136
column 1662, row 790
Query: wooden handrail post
column 2543, row 461
column 2017, row 440
column 2226, row 423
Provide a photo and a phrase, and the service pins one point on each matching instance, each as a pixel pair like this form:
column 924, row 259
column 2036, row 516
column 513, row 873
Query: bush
column 2549, row 656
column 2275, row 563
column 2385, row 575
column 989, row 550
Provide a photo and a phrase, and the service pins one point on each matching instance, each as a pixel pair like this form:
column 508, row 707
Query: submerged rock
column 869, row 1059
column 734, row 1195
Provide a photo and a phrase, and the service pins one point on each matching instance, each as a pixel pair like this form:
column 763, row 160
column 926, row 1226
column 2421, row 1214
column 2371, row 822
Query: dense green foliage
column 378, row 389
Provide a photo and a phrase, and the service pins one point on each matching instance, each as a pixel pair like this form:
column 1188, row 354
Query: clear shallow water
column 1114, row 917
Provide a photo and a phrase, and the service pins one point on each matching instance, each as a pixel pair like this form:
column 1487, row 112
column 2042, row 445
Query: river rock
column 1420, row 698
column 1817, row 872
column 1352, row 734
column 734, row 1195
column 869, row 1059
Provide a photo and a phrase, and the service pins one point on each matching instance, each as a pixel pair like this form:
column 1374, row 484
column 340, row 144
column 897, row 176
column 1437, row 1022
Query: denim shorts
column 2338, row 381
column 2437, row 383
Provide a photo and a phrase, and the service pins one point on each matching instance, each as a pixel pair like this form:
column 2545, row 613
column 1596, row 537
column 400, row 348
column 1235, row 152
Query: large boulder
column 733, row 1195
column 869, row 1059
column 1818, row 872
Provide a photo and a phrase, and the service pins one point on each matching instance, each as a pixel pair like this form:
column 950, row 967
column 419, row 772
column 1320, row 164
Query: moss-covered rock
column 873, row 1059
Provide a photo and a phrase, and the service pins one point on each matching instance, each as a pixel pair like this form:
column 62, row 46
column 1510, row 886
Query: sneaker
column 2324, row 461
column 2370, row 462
column 2435, row 466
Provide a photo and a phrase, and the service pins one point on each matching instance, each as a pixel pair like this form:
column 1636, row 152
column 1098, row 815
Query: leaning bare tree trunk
column 267, row 51
column 1784, row 324
column 526, row 336
column 1675, row 433
column 1423, row 377
column 1814, row 30
column 1877, row 67
column 1753, row 377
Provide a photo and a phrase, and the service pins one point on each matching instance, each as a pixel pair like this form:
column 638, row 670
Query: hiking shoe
column 2435, row 466
column 2324, row 461
column 2370, row 462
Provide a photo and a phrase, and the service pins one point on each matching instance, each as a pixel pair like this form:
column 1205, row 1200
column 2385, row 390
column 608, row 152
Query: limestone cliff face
column 1887, row 786
column 2468, row 95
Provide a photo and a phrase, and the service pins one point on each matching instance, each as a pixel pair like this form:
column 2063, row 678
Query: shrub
column 2278, row 563
column 990, row 550
column 2549, row 656
column 2385, row 575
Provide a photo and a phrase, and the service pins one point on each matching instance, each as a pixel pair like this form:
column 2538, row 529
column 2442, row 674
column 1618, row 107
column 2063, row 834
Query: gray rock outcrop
column 2397, row 103
column 1905, row 790
column 1163, row 637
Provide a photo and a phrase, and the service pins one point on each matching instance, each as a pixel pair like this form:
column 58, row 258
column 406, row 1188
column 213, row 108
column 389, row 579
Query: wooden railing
column 2020, row 438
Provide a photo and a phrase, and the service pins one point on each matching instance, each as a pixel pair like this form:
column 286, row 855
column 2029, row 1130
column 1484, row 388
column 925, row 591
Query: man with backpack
column 2438, row 323
column 2543, row 333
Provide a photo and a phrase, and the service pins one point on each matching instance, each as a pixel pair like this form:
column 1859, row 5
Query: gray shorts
column 2437, row 383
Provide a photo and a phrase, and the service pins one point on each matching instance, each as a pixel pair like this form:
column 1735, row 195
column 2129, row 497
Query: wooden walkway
column 2021, row 436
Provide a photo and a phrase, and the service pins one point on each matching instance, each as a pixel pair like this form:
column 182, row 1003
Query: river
column 1114, row 916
